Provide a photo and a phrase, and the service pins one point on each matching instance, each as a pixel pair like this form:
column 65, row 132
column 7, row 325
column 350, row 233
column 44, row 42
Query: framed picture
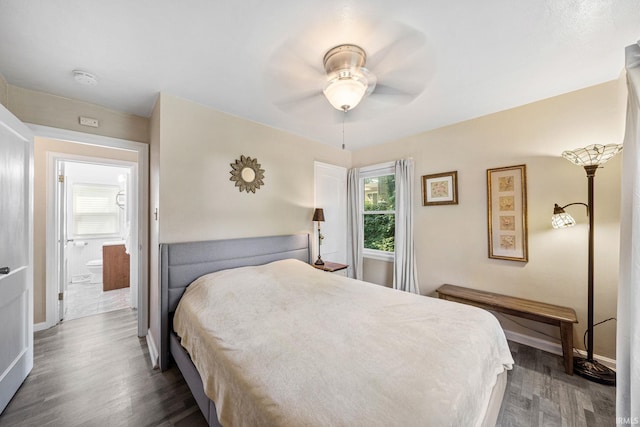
column 507, row 213
column 440, row 189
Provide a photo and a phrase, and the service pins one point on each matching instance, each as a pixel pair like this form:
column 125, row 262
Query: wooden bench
column 564, row 317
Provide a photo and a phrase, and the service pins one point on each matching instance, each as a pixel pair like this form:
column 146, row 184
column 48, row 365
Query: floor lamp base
column 319, row 261
column 594, row 371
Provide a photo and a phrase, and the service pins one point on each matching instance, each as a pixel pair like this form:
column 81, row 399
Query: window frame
column 382, row 169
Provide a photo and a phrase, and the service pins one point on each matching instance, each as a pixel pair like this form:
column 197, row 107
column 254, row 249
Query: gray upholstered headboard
column 182, row 263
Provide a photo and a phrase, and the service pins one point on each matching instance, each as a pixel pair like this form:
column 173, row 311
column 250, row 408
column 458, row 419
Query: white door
column 331, row 196
column 16, row 254
column 61, row 235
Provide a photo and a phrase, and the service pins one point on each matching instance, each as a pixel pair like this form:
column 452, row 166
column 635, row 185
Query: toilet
column 95, row 268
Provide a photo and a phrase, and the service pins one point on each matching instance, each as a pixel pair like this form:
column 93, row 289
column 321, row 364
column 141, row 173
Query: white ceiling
column 262, row 60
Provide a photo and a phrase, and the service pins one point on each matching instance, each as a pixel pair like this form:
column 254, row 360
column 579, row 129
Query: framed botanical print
column 507, row 213
column 440, row 189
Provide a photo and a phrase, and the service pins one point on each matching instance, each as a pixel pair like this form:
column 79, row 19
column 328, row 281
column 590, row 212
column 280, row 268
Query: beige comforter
column 285, row 344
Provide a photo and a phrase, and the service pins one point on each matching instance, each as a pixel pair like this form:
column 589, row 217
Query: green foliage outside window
column 379, row 227
column 379, row 232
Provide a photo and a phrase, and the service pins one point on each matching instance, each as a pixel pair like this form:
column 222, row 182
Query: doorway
column 86, row 148
column 96, row 202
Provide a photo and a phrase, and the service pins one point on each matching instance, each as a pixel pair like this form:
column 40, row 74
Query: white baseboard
column 153, row 350
column 40, row 326
column 552, row 347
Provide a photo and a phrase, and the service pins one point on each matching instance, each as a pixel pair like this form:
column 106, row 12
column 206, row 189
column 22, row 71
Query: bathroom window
column 95, row 212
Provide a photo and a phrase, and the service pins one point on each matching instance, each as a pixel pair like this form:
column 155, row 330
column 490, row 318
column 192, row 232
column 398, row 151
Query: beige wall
column 4, row 87
column 376, row 271
column 451, row 240
column 55, row 111
column 41, row 147
column 197, row 201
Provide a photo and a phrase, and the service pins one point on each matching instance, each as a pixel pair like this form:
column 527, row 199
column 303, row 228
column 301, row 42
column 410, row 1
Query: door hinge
column 60, row 178
column 60, row 296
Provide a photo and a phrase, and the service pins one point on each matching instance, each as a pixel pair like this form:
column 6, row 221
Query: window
column 94, row 208
column 379, row 210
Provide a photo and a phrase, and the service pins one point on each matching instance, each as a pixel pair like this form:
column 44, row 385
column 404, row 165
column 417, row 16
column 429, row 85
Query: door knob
column 4, row 270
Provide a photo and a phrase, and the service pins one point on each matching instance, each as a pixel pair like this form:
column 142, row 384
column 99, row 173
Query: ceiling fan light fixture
column 345, row 92
column 348, row 81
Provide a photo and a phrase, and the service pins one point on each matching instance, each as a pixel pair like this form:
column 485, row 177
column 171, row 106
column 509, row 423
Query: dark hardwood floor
column 539, row 393
column 95, row 371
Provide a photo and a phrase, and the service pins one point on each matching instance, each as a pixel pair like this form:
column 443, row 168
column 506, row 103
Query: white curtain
column 355, row 232
column 628, row 339
column 404, row 266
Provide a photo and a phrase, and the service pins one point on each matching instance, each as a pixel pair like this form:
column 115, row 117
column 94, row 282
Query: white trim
column 552, row 347
column 539, row 343
column 142, row 150
column 51, row 282
column 40, row 326
column 53, row 248
column 378, row 255
column 387, row 168
column 85, row 138
column 153, row 350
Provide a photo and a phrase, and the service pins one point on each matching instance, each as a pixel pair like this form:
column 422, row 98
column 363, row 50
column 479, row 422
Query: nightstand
column 331, row 267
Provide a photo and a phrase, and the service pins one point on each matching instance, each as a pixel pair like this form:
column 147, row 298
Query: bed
column 292, row 345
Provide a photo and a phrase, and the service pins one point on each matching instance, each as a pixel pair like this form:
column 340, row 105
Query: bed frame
column 182, row 263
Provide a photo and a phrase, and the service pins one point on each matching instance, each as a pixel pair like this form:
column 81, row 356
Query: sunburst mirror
column 247, row 174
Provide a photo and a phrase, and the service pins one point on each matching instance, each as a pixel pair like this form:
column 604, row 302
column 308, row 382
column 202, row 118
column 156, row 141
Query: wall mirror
column 247, row 174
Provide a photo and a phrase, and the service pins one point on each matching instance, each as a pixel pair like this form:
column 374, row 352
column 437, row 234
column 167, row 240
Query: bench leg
column 566, row 336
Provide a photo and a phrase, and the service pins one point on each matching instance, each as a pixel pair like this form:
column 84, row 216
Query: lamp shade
column 595, row 154
column 318, row 215
column 344, row 93
column 561, row 219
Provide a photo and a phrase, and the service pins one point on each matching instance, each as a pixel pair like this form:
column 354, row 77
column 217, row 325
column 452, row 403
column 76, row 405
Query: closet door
column 331, row 196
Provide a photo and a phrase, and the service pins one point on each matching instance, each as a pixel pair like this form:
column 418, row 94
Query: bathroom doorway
column 52, row 144
column 95, row 205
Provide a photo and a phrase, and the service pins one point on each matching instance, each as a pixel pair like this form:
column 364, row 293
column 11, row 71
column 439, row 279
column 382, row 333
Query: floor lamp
column 318, row 215
column 590, row 158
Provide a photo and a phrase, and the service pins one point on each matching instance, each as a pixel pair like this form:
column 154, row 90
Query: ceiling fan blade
column 406, row 43
column 291, row 65
column 396, row 95
column 384, row 89
column 297, row 102
column 292, row 81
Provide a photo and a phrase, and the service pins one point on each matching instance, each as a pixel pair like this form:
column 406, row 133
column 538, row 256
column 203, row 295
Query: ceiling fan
column 393, row 74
